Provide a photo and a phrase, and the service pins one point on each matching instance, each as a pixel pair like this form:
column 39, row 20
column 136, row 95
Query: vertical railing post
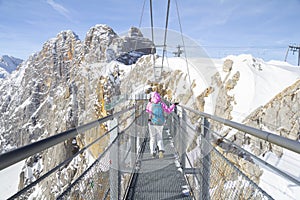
column 114, row 172
column 173, row 123
column 205, row 159
column 182, row 140
column 133, row 135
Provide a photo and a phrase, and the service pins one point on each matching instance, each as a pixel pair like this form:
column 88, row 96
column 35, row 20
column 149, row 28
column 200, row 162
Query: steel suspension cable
column 166, row 30
column 140, row 23
column 184, row 49
column 152, row 35
column 142, row 14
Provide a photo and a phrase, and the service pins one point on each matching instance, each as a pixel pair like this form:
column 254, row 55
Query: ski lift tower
column 178, row 52
column 294, row 49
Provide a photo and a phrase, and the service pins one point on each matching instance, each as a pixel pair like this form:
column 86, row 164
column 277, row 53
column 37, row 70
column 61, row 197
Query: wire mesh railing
column 209, row 173
column 110, row 174
column 99, row 170
column 222, row 180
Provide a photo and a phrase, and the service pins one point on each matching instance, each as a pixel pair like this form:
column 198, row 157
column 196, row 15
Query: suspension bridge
column 126, row 170
column 192, row 168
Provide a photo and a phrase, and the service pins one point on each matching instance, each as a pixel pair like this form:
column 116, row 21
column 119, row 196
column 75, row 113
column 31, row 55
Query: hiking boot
column 153, row 155
column 161, row 154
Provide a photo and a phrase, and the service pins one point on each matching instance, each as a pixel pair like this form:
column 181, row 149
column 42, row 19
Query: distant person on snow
column 156, row 121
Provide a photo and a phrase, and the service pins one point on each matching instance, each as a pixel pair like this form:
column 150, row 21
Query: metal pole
column 206, row 161
column 298, row 55
column 114, row 158
column 152, row 35
column 133, row 137
column 286, row 53
column 166, row 30
column 182, row 140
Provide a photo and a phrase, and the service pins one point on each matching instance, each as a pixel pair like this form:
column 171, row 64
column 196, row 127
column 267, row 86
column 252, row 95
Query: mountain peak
column 100, row 29
column 67, row 33
column 8, row 64
column 135, row 32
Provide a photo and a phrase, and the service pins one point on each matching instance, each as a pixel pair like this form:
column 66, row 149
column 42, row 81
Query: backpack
column 158, row 117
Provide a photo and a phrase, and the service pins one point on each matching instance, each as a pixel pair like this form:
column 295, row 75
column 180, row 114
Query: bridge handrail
column 9, row 158
column 61, row 196
column 267, row 136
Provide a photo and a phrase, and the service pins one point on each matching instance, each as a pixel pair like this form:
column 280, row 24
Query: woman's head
column 155, row 97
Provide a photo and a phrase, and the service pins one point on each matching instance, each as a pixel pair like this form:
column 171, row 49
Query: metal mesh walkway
column 159, row 178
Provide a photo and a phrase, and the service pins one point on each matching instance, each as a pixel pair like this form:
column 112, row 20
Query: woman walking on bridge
column 156, row 121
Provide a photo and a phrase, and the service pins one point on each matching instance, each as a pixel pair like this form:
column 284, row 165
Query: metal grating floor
column 159, row 178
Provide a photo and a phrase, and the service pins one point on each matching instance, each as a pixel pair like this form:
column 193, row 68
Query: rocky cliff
column 280, row 116
column 59, row 88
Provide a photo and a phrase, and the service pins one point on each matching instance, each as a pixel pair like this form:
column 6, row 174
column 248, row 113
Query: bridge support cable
column 152, row 36
column 142, row 14
column 166, row 31
column 184, row 47
column 157, row 70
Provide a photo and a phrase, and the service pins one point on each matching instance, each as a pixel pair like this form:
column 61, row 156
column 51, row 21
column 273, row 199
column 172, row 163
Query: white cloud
column 59, row 8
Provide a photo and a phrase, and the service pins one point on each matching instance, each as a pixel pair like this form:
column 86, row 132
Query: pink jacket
column 155, row 99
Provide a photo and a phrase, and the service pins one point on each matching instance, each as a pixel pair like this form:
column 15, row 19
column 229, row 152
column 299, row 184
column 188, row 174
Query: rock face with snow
column 57, row 89
column 280, row 115
column 248, row 84
column 49, row 80
column 8, row 64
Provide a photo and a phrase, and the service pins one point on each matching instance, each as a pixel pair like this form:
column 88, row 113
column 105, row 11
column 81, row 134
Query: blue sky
column 263, row 28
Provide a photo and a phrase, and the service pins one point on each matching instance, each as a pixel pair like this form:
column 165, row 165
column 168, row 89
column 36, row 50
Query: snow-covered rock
column 59, row 88
column 8, row 64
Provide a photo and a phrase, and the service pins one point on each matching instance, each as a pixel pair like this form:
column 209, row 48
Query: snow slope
column 10, row 180
column 259, row 82
column 276, row 185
